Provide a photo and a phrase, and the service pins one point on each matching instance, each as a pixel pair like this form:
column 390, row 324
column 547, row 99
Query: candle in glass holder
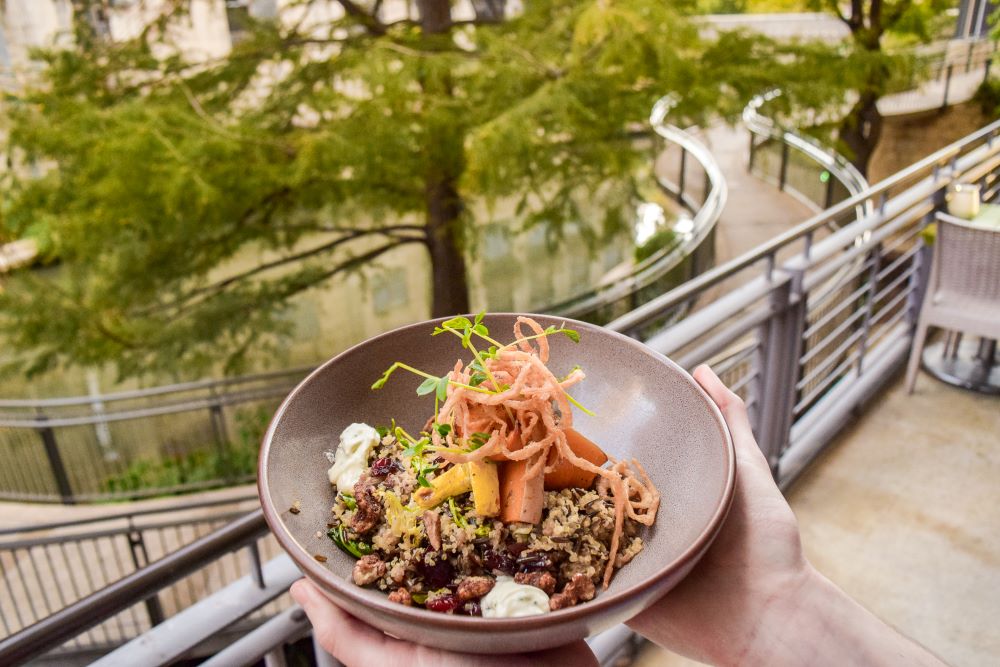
column 963, row 201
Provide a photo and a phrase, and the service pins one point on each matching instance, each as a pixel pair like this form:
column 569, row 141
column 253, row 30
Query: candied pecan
column 402, row 596
column 432, row 524
column 369, row 511
column 368, row 569
column 579, row 589
column 542, row 580
column 472, row 588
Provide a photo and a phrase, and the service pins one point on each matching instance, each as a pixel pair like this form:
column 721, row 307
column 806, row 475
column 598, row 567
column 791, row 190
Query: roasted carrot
column 513, row 444
column 568, row 476
column 520, row 499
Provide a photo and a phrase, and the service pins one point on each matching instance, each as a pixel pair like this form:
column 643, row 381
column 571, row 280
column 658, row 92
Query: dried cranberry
column 384, row 466
column 499, row 561
column 470, row 609
column 442, row 604
column 517, row 547
column 438, row 574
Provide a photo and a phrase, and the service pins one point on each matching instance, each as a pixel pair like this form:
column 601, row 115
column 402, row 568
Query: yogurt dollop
column 509, row 599
column 351, row 458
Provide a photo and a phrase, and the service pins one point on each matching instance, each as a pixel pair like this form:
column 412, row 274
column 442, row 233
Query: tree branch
column 208, row 291
column 370, row 22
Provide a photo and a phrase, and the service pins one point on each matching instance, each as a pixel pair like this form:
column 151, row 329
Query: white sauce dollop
column 509, row 599
column 351, row 459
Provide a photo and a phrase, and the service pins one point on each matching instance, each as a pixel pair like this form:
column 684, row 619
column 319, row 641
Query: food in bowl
column 497, row 507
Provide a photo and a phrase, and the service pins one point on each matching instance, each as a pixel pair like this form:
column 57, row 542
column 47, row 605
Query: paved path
column 756, row 211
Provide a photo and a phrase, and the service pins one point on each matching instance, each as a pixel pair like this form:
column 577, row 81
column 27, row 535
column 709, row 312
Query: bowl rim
column 342, row 587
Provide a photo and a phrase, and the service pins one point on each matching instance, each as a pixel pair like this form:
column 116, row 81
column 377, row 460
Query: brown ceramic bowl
column 647, row 407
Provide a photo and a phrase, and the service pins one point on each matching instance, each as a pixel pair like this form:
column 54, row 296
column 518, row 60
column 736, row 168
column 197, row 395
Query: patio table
column 971, row 364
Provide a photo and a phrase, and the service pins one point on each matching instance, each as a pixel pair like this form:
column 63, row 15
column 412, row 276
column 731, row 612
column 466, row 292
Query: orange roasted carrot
column 568, row 476
column 513, row 444
column 520, row 499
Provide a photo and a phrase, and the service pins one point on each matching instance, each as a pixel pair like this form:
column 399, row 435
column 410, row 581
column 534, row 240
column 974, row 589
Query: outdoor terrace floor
column 902, row 512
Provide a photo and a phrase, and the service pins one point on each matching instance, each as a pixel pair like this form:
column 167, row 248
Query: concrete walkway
column 901, row 512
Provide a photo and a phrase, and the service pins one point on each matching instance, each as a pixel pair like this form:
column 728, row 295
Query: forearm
column 822, row 625
column 807, row 620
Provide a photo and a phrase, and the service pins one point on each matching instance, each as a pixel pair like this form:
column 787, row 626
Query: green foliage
column 661, row 239
column 209, row 464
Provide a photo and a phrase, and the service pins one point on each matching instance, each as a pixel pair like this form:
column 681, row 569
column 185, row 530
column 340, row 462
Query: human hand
column 755, row 562
column 754, row 599
column 354, row 642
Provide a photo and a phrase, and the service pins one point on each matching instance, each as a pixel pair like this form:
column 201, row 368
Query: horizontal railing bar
column 251, row 647
column 885, row 291
column 720, row 340
column 164, row 409
column 829, row 292
column 26, row 543
column 898, row 262
column 180, row 507
column 300, row 371
column 902, row 239
column 846, row 248
column 94, row 608
column 743, row 381
column 821, row 344
column 830, row 359
column 830, row 378
column 723, row 308
column 734, row 360
column 846, row 302
column 877, row 317
column 878, row 333
column 173, row 638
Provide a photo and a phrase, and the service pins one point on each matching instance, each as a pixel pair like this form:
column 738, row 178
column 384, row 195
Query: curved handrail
column 705, row 218
column 840, row 168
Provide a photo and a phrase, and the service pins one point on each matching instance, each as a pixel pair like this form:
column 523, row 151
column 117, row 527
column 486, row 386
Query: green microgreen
column 352, row 547
column 483, row 531
column 456, row 515
column 419, row 598
column 415, row 451
column 443, row 430
column 348, row 500
column 477, row 440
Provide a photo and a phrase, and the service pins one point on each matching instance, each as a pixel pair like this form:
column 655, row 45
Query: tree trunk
column 860, row 131
column 435, row 16
column 449, row 279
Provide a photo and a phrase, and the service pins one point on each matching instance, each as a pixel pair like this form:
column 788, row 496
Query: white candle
column 963, row 201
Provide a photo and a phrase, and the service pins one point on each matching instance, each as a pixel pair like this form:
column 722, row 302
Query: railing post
column 48, row 437
column 681, row 176
column 828, row 197
column 968, row 58
column 783, row 171
column 781, row 345
column 753, row 151
column 986, row 69
column 137, row 545
column 947, row 87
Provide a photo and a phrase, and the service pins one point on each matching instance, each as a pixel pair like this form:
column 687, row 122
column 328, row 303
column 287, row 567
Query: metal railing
column 703, row 193
column 198, row 435
column 131, row 444
column 48, row 570
column 816, row 175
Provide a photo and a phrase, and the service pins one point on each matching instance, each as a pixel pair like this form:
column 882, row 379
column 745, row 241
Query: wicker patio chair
column 963, row 293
